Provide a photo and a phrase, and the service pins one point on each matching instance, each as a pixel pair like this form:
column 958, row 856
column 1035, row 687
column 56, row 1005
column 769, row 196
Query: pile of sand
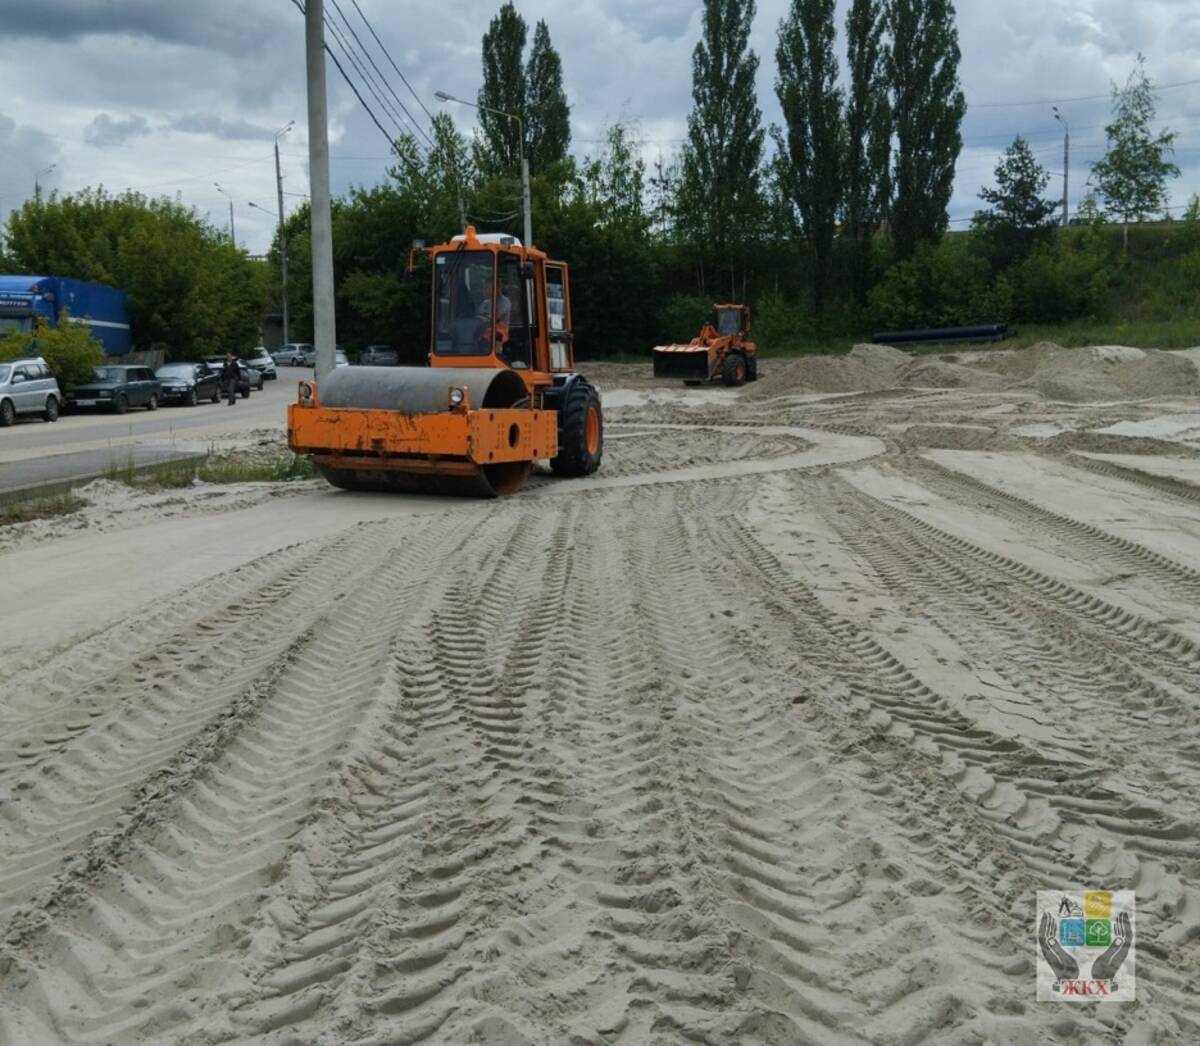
column 1096, row 374
column 865, row 368
column 948, row 372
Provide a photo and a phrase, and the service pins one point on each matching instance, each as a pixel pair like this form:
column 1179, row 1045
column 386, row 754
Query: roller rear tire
column 580, row 432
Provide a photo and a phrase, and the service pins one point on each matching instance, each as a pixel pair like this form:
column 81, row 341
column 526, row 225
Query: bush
column 681, row 316
column 1061, row 282
column 947, row 285
column 69, row 349
column 779, row 324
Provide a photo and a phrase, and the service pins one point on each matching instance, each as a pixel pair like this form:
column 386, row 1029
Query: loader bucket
column 395, row 429
column 687, row 362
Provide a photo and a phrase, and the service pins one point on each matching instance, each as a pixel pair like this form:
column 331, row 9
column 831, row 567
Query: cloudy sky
column 170, row 98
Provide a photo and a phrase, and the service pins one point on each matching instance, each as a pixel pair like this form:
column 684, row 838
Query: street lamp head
column 442, row 96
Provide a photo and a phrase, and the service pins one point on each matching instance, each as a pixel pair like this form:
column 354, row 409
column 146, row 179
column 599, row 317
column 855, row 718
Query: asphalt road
column 33, row 452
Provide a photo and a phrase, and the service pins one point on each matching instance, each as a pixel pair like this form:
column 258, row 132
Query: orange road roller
column 500, row 391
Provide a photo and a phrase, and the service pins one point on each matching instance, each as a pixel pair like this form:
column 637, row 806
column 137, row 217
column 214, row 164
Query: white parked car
column 261, row 360
column 28, row 387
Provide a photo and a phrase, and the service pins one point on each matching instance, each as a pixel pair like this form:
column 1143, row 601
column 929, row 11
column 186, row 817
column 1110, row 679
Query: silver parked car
column 292, row 354
column 28, row 387
column 261, row 360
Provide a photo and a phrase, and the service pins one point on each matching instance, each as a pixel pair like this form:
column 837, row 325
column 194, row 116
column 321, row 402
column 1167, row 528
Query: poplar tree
column 868, row 137
column 928, row 108
column 549, row 116
column 719, row 201
column 811, row 148
column 504, row 91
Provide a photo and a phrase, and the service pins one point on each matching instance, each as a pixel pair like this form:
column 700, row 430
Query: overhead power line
column 352, row 56
column 1064, row 101
column 350, row 83
column 387, row 54
column 379, row 72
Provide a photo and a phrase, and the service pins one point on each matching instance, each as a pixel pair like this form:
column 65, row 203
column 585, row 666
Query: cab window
column 464, row 283
column 729, row 321
column 512, row 303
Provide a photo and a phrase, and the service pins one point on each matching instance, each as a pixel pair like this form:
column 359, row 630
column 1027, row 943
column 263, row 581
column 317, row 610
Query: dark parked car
column 379, row 356
column 244, row 380
column 187, row 383
column 117, row 389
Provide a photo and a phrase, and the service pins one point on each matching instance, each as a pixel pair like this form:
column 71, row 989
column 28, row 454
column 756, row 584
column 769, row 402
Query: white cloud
column 213, row 79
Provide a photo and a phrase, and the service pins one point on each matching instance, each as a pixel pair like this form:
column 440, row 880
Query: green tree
column 1132, row 176
column 549, row 116
column 868, row 137
column 190, row 291
column 503, row 91
column 1020, row 217
column 602, row 229
column 70, row 350
column 719, row 203
column 928, row 106
column 812, row 147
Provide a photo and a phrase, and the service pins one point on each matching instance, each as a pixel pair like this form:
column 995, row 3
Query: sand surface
column 768, row 733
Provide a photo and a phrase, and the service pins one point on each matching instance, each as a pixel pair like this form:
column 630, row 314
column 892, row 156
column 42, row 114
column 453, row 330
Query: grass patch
column 121, row 473
column 225, row 469
column 42, row 508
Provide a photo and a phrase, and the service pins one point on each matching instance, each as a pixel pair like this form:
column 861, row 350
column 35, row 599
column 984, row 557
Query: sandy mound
column 865, row 368
column 948, row 373
column 1111, row 372
column 1096, row 374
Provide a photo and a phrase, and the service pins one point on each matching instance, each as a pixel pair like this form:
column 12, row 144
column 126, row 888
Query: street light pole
column 526, row 202
column 37, row 189
column 324, row 329
column 232, row 233
column 1066, row 160
column 283, row 258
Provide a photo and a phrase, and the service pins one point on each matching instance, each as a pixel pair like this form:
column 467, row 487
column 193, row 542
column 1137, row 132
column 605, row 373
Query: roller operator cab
column 500, row 391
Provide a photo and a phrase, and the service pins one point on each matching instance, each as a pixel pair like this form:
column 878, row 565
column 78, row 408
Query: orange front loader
column 500, row 391
column 722, row 350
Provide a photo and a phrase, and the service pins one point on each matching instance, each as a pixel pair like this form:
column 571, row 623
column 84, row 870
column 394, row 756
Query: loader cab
column 499, row 304
column 731, row 319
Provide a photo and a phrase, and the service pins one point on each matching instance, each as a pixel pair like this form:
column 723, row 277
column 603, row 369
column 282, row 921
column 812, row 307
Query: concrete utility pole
column 324, row 329
column 282, row 237
column 526, row 202
column 232, row 234
column 1066, row 161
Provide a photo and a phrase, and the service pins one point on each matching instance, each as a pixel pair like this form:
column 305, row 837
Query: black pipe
column 933, row 335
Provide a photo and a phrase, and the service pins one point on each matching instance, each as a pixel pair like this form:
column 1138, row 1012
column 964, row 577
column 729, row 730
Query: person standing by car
column 230, row 375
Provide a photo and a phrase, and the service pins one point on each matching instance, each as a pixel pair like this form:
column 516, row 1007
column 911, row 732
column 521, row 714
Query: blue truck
column 105, row 310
